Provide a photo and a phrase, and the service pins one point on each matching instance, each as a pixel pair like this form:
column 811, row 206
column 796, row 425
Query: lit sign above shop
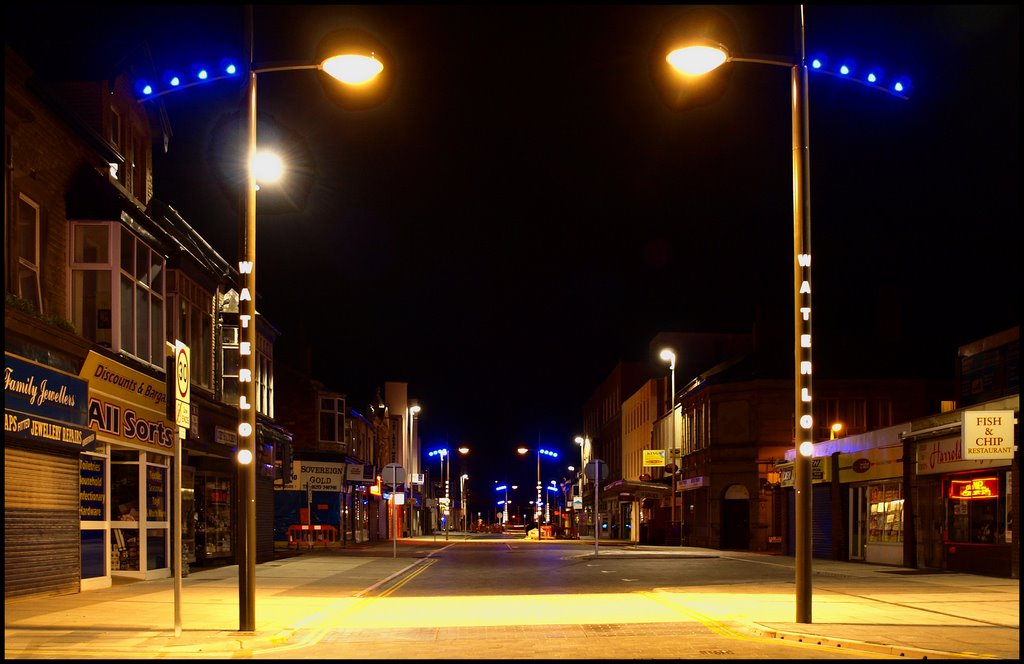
column 985, row 487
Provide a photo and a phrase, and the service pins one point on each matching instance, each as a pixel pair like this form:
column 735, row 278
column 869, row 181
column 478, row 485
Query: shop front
column 45, row 435
column 966, row 510
column 873, row 479
column 125, row 481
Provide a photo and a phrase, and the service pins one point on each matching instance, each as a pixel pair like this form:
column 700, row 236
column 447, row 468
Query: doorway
column 736, row 518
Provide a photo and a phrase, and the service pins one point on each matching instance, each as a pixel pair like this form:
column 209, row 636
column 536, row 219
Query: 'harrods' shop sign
column 127, row 405
column 45, row 405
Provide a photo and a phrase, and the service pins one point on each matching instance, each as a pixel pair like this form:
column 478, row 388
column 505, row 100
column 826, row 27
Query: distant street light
column 445, row 473
column 834, row 430
column 413, row 409
column 669, row 356
column 583, row 442
column 463, row 450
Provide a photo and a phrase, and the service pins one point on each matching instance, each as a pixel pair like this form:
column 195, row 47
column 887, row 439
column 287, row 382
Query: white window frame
column 28, row 266
column 338, row 409
column 154, row 353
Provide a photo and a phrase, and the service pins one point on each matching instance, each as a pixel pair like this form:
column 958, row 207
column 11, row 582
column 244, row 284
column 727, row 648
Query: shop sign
column 877, row 463
column 654, row 458
column 319, row 475
column 691, row 483
column 821, row 471
column 45, row 405
column 127, row 405
column 946, row 455
column 988, row 434
column 982, row 487
column 359, row 473
column 223, row 436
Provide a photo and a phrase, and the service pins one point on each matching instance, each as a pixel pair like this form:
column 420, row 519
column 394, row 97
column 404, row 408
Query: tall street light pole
column 583, row 442
column 700, row 59
column 413, row 409
column 348, row 68
column 669, row 356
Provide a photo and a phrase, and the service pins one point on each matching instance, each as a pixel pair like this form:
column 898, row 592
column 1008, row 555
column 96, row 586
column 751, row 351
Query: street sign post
column 394, row 475
column 596, row 471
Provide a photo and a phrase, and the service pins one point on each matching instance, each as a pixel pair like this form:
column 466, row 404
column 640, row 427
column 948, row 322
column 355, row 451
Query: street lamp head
column 361, row 63
column 522, row 450
column 463, row 450
column 415, row 409
column 668, row 355
column 353, row 68
column 698, row 59
column 579, row 440
column 267, row 167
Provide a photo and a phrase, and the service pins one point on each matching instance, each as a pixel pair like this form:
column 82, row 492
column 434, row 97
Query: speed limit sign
column 182, row 380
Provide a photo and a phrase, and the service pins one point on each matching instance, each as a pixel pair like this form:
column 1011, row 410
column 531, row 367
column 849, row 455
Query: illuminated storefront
column 966, row 508
column 124, row 481
column 874, row 480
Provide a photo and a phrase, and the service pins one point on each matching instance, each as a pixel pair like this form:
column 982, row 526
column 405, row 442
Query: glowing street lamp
column 697, row 58
column 668, row 355
column 445, row 473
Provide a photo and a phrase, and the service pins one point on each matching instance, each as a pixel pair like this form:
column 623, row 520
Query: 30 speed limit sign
column 182, row 380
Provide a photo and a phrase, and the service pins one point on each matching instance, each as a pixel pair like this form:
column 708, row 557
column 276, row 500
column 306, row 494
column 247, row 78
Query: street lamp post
column 701, row 59
column 462, row 501
column 583, row 442
column 443, row 454
column 669, row 356
column 463, row 451
column 339, row 67
column 414, row 409
column 712, row 56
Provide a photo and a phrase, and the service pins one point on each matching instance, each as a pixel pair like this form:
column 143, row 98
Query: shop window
column 192, row 324
column 27, row 243
column 94, row 561
column 118, row 305
column 976, row 509
column 124, row 487
column 885, row 513
column 156, row 493
column 332, row 419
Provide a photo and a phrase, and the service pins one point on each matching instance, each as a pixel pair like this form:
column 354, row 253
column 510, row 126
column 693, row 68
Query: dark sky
column 524, row 210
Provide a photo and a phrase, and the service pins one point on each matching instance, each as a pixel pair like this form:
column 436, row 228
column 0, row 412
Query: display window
column 976, row 508
column 139, row 524
column 93, row 515
column 885, row 513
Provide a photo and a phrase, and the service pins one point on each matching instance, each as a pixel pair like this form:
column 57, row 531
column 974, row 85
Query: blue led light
column 147, row 89
column 203, row 74
column 898, row 87
column 844, row 70
column 871, row 78
column 816, row 63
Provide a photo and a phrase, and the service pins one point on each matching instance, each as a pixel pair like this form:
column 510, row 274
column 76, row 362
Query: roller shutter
column 42, row 542
column 264, row 519
column 821, row 521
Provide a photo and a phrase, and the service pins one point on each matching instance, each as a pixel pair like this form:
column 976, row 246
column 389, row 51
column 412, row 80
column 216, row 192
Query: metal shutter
column 264, row 519
column 821, row 521
column 42, row 542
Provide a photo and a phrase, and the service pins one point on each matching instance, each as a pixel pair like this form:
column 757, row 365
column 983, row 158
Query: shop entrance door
column 858, row 523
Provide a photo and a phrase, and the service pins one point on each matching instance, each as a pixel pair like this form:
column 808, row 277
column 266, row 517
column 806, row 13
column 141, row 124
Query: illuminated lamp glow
column 844, row 70
column 203, row 74
column 816, row 63
column 175, row 81
column 267, row 167
column 147, row 89
column 872, row 78
column 898, row 87
column 244, row 457
column 696, row 60
column 353, row 69
column 806, row 448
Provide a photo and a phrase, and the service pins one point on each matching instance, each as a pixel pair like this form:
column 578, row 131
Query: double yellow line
column 328, row 618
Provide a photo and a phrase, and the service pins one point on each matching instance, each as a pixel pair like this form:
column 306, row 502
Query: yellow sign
column 654, row 458
column 127, row 405
column 182, row 380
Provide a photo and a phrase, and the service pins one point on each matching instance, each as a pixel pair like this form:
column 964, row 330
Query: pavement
column 876, row 609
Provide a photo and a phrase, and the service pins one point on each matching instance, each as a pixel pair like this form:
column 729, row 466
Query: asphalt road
column 515, row 599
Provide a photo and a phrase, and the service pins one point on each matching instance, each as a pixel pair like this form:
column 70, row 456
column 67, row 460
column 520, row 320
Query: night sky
column 524, row 210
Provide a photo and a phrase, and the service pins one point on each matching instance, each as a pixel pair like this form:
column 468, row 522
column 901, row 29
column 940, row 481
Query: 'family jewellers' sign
column 45, row 405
